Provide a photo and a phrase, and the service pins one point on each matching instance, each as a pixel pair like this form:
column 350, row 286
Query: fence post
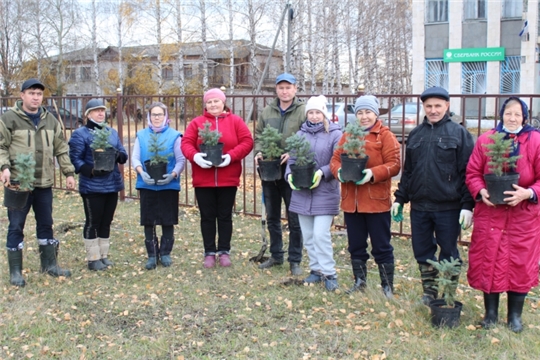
column 120, row 124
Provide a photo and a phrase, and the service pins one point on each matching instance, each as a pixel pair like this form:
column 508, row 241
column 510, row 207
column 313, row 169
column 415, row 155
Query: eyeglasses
column 157, row 115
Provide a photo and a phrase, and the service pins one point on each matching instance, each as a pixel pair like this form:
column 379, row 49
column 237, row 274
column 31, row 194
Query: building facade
column 476, row 47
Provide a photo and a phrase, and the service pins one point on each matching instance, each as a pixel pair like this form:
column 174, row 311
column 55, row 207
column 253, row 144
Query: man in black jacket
column 433, row 180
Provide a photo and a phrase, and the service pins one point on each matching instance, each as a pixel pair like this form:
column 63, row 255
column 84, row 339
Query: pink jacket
column 505, row 246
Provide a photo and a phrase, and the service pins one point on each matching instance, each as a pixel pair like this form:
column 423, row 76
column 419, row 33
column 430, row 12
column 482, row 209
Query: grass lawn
column 187, row 312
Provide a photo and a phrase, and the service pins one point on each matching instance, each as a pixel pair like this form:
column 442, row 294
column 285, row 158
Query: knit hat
column 368, row 102
column 92, row 105
column 214, row 93
column 436, row 92
column 524, row 108
column 318, row 103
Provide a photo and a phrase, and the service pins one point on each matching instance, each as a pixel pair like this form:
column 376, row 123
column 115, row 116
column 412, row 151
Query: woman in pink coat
column 504, row 251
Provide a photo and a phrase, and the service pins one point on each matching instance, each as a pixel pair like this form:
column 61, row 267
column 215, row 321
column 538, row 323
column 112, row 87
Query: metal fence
column 127, row 114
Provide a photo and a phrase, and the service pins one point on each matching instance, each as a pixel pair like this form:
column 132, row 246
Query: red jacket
column 505, row 248
column 384, row 161
column 237, row 142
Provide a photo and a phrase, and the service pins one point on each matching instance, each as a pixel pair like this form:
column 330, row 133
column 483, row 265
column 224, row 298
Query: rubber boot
column 15, row 259
column 165, row 251
column 104, row 245
column 48, row 255
column 491, row 304
column 515, row 309
column 152, row 248
column 428, row 275
column 93, row 255
column 360, row 271
column 386, row 272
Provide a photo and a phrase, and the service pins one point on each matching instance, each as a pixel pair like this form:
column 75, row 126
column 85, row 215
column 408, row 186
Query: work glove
column 368, row 175
column 465, row 219
column 167, row 178
column 339, row 176
column 97, row 173
column 226, row 160
column 397, row 212
column 147, row 179
column 317, row 177
column 199, row 160
column 290, row 181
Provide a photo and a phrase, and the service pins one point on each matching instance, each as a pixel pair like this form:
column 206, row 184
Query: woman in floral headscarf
column 159, row 199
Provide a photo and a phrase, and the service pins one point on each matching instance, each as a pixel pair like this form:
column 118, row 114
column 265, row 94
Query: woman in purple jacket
column 317, row 205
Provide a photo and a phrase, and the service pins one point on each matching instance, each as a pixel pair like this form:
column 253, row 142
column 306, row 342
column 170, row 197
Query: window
column 188, row 71
column 436, row 73
column 437, row 11
column 510, row 75
column 71, row 74
column 473, row 77
column 167, row 72
column 474, row 9
column 512, row 9
column 86, row 73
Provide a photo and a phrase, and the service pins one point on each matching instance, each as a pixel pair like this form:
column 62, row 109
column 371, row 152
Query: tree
column 12, row 47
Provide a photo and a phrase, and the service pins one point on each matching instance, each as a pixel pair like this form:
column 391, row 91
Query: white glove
column 199, row 160
column 465, row 219
column 367, row 177
column 317, row 177
column 147, row 179
column 226, row 160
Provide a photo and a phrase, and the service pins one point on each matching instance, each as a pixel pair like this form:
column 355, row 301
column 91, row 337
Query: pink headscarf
column 166, row 119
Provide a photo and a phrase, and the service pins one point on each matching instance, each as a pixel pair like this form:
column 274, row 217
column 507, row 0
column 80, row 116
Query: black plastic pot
column 156, row 171
column 104, row 160
column 270, row 170
column 15, row 199
column 497, row 185
column 351, row 168
column 441, row 315
column 302, row 175
column 213, row 153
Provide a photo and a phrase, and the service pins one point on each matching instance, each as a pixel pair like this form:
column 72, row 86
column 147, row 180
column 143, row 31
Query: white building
column 476, row 47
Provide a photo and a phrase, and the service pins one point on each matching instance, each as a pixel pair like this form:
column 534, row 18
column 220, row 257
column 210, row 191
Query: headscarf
column 166, row 121
column 526, row 128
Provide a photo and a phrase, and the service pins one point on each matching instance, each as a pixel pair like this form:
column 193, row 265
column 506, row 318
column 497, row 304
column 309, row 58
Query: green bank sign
column 474, row 54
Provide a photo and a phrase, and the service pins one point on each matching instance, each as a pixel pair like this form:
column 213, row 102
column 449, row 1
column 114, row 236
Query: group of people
column 442, row 178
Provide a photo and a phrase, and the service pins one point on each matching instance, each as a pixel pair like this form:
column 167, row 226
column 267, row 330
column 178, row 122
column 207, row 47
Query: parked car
column 71, row 121
column 401, row 123
column 338, row 112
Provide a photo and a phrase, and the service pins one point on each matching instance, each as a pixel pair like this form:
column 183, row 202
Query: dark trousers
column 99, row 211
column 40, row 200
column 274, row 191
column 216, row 204
column 432, row 228
column 377, row 227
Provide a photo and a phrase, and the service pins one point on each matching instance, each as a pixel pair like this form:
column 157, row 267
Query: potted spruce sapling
column 353, row 158
column 210, row 144
column 103, row 153
column 269, row 166
column 502, row 166
column 303, row 168
column 446, row 311
column 156, row 165
column 16, row 195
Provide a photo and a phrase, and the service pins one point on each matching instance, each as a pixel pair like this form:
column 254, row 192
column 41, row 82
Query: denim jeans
column 274, row 191
column 432, row 228
column 40, row 200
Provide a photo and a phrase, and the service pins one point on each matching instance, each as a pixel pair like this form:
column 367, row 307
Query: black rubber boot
column 428, row 274
column 152, row 248
column 491, row 304
column 165, row 251
column 386, row 272
column 360, row 271
column 49, row 254
column 515, row 309
column 15, row 259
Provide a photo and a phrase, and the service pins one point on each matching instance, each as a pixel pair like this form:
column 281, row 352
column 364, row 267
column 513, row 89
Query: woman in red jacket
column 215, row 187
column 504, row 251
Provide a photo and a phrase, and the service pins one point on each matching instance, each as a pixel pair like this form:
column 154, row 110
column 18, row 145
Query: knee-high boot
column 428, row 275
column 165, row 249
column 386, row 272
column 49, row 261
column 15, row 259
column 152, row 248
column 360, row 271
column 491, row 304
column 515, row 309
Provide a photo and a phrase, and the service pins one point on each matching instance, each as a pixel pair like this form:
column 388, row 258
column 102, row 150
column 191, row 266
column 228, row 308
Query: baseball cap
column 286, row 77
column 32, row 83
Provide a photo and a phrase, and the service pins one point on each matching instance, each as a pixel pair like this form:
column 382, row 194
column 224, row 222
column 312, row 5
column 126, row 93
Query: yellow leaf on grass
column 495, row 340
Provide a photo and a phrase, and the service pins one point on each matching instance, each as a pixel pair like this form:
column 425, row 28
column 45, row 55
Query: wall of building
column 437, row 40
